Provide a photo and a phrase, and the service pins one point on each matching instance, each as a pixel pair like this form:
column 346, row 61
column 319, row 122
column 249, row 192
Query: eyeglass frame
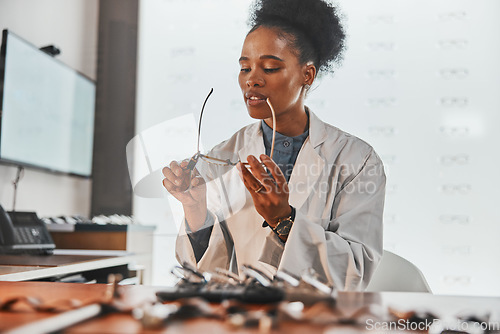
column 194, row 159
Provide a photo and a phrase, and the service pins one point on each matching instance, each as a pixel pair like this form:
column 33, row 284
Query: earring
column 307, row 86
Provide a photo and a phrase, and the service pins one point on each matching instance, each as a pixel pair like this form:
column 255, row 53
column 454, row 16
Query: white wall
column 420, row 82
column 71, row 26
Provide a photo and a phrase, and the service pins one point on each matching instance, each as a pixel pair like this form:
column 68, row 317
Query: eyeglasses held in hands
column 221, row 162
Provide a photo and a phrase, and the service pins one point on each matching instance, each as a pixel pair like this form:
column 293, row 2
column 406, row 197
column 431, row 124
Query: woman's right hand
column 193, row 198
column 177, row 181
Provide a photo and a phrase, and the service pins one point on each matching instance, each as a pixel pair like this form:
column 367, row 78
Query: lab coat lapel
column 254, row 145
column 309, row 165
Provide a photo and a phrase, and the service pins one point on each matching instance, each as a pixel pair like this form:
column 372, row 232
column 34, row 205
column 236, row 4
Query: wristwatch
column 284, row 225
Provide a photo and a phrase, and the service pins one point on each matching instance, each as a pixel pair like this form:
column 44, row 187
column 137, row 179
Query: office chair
column 395, row 273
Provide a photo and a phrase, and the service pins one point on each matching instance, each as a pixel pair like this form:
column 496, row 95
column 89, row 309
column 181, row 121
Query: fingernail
column 263, row 157
column 251, row 158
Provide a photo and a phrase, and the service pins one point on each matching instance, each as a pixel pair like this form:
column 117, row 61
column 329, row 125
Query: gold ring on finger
column 260, row 189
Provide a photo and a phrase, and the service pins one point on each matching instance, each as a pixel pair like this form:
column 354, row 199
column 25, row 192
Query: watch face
column 284, row 227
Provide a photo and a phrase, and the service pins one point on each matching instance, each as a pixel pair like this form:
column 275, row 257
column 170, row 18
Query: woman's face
column 269, row 69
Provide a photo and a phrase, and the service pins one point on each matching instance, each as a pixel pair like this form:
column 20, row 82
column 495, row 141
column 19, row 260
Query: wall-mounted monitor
column 46, row 110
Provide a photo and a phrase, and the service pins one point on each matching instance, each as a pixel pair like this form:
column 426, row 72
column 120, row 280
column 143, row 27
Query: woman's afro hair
column 314, row 26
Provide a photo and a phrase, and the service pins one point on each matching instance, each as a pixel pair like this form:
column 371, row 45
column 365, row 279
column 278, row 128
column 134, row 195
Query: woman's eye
column 271, row 70
column 245, row 70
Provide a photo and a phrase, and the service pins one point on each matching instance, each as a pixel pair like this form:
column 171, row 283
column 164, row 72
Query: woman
column 319, row 204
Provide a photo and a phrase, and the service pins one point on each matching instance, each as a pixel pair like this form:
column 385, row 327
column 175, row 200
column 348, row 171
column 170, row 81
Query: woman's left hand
column 270, row 197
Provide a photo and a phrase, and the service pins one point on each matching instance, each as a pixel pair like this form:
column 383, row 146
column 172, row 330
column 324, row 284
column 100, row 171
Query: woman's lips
column 255, row 101
column 255, row 98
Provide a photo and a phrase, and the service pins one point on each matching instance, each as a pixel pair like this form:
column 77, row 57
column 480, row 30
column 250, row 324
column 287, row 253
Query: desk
column 62, row 262
column 124, row 323
column 131, row 238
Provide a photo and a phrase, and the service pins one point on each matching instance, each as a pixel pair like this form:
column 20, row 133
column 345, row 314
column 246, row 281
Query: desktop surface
column 348, row 303
column 62, row 262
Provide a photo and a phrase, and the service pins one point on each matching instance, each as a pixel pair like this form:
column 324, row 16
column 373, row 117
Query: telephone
column 24, row 233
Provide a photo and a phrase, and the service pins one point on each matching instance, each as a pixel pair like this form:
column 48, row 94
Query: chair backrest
column 395, row 273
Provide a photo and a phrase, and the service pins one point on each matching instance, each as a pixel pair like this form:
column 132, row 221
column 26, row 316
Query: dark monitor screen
column 46, row 109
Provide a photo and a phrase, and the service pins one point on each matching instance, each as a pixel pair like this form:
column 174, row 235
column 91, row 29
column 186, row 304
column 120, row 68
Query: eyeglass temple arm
column 274, row 127
column 201, row 115
column 194, row 158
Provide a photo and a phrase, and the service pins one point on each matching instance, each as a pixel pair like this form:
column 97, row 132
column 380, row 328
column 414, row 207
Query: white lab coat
column 337, row 187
